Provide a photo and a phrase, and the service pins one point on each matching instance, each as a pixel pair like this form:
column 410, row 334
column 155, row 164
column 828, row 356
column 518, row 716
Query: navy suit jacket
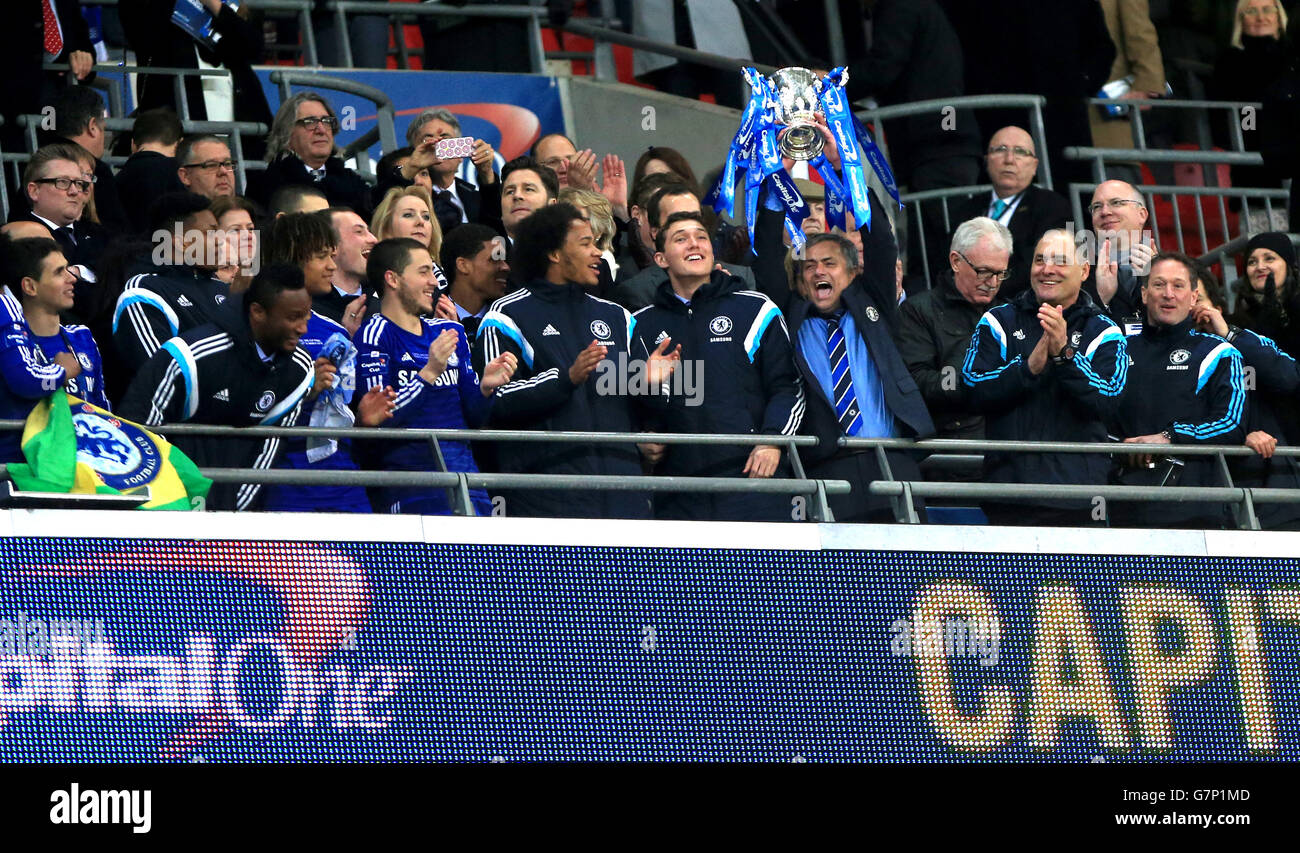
column 871, row 293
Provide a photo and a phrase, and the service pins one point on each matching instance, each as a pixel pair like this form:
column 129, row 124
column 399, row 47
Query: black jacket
column 342, row 186
column 1272, row 379
column 159, row 43
column 161, row 302
column 915, row 56
column 738, row 339
column 642, row 289
column 1191, row 385
column 211, row 376
column 22, row 57
column 546, row 325
column 871, row 298
column 1073, row 401
column 1039, row 210
column 1272, row 314
column 934, row 332
column 91, row 240
column 142, row 178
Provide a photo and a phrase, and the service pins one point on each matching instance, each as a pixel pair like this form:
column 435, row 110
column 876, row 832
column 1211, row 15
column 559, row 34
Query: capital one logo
column 323, row 607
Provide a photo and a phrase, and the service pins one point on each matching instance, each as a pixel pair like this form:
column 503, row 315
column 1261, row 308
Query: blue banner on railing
column 155, row 649
column 510, row 111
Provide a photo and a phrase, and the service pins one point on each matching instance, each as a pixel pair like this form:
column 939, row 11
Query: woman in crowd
column 408, row 212
column 238, row 217
column 600, row 213
column 1258, row 55
column 658, row 158
column 1268, row 299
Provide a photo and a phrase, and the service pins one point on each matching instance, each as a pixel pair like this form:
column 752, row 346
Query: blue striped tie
column 846, row 401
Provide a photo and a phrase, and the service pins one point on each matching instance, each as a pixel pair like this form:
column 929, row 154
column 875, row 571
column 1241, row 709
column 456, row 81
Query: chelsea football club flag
column 74, row 447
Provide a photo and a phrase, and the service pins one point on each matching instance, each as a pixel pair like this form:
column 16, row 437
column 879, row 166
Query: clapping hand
column 497, row 372
column 439, row 353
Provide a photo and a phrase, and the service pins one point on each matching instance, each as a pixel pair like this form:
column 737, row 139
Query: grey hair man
column 300, row 149
column 935, row 327
column 456, row 197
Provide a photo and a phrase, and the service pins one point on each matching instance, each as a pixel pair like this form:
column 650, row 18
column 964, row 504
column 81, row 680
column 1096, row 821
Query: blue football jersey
column 89, row 384
column 390, row 355
column 26, row 374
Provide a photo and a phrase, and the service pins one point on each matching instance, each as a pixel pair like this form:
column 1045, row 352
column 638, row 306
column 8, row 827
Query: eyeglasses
column 985, row 275
column 1253, row 12
column 64, row 184
column 310, row 122
column 213, row 165
column 1016, row 152
column 1115, row 204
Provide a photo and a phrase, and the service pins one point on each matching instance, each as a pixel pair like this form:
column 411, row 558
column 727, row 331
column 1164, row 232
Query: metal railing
column 383, row 132
column 1242, row 499
column 1101, row 156
column 289, row 9
column 234, row 131
column 1224, row 257
column 901, row 492
column 458, row 483
column 943, row 107
column 1267, row 198
column 917, row 203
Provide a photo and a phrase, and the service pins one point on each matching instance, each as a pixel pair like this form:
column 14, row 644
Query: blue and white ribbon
column 723, row 195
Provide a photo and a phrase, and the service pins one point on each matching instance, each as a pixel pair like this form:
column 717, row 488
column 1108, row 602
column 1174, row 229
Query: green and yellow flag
column 74, row 447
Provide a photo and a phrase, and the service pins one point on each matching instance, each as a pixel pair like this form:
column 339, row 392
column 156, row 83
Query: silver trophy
column 796, row 93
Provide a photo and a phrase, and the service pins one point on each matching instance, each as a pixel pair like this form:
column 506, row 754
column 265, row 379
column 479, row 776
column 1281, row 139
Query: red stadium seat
column 1191, row 175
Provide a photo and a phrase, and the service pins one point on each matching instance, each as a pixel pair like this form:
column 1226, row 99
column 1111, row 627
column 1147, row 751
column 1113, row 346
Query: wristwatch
column 1233, row 331
column 1065, row 355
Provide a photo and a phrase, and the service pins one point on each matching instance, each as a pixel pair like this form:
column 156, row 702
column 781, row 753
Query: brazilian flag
column 77, row 448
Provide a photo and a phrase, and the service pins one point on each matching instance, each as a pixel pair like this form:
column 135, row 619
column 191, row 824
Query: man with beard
column 427, row 361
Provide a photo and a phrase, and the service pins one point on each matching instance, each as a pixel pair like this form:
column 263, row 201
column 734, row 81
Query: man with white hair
column 935, row 327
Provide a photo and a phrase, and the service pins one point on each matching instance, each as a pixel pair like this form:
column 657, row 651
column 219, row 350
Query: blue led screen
column 159, row 650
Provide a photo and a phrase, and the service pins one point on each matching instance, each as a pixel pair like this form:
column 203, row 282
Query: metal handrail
column 233, row 130
column 384, row 131
column 531, row 14
column 687, row 54
column 1034, row 103
column 901, row 491
column 1245, row 194
column 1202, row 128
column 1101, row 156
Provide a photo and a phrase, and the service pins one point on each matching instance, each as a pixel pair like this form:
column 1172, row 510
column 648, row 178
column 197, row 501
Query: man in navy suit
column 842, row 324
column 1026, row 210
